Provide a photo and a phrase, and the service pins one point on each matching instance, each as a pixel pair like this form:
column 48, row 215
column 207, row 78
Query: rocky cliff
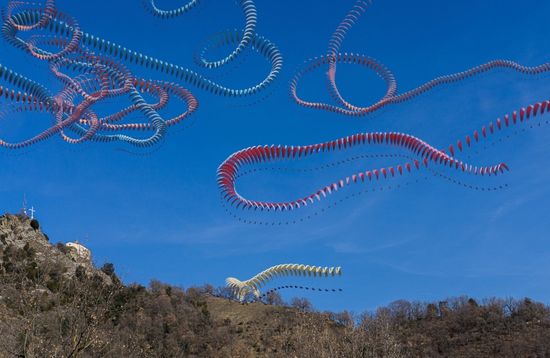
column 18, row 234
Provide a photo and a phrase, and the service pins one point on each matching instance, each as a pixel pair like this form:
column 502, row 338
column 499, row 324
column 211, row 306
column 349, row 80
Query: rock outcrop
column 16, row 231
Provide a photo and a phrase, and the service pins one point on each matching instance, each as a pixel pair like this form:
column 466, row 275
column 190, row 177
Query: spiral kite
column 56, row 26
column 424, row 153
column 334, row 57
column 252, row 286
column 100, row 77
column 420, row 152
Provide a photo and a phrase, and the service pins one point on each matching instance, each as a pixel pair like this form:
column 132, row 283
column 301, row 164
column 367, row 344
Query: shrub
column 29, row 251
column 274, row 298
column 35, row 224
column 32, row 271
column 302, row 304
column 61, row 247
column 80, row 272
column 108, row 269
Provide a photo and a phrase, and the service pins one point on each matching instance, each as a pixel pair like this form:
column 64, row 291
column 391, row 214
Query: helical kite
column 264, row 47
column 241, row 39
column 334, row 57
column 419, row 153
column 101, row 75
column 252, row 286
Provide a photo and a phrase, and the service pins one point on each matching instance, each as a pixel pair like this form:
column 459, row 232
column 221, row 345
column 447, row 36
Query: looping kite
column 243, row 39
column 422, row 153
column 334, row 57
column 67, row 49
column 98, row 78
column 252, row 286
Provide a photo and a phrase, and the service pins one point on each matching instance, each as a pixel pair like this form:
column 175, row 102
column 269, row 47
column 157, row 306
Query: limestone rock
column 16, row 230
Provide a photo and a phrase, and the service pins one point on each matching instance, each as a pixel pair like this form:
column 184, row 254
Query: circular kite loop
column 70, row 46
column 242, row 39
column 48, row 10
column 251, row 17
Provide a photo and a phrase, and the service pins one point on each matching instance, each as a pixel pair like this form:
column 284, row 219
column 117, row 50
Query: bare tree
column 274, row 298
column 301, row 304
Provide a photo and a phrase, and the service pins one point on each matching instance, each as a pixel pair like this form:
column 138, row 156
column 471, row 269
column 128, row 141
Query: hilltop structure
column 78, row 250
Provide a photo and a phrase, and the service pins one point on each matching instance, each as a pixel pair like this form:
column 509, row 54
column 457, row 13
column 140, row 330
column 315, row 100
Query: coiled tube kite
column 98, row 78
column 252, row 286
column 333, row 57
column 420, row 152
column 56, row 26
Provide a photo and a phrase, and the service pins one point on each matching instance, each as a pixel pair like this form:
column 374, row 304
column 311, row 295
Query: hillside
column 54, row 303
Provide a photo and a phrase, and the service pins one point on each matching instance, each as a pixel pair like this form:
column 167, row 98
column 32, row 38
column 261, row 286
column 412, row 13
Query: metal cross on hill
column 31, row 210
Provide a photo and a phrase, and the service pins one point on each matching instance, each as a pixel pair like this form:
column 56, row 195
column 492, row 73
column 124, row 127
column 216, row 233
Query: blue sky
column 158, row 214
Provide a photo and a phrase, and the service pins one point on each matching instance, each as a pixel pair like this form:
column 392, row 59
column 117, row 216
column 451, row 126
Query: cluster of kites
column 92, row 71
column 421, row 154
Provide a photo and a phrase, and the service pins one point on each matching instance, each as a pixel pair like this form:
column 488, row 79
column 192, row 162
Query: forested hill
column 55, row 303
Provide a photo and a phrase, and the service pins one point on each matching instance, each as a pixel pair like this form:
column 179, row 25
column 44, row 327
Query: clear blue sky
column 159, row 215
